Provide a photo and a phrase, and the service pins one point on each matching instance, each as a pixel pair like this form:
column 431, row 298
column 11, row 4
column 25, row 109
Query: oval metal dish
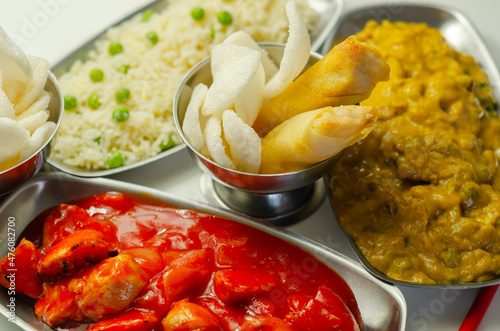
column 382, row 306
column 329, row 13
column 461, row 35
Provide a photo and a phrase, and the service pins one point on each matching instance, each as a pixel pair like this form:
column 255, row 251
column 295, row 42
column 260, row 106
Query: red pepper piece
column 148, row 258
column 67, row 219
column 186, row 275
column 326, row 311
column 113, row 202
column 239, row 286
column 132, row 320
column 19, row 268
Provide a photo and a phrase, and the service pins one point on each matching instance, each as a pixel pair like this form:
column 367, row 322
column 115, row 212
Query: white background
column 53, row 28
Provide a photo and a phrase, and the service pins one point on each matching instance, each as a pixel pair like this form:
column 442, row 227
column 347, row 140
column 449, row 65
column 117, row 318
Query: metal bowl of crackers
column 31, row 110
column 280, row 198
column 40, row 143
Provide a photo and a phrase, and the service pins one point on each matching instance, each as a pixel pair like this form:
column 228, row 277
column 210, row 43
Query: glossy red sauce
column 231, row 270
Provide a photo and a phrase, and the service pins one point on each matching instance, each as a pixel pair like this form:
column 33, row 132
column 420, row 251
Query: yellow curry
column 421, row 194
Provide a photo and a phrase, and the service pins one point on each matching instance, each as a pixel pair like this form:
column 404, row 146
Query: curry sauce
column 421, row 194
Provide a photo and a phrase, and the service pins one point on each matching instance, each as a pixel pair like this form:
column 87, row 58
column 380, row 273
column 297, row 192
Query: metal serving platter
column 329, row 13
column 382, row 305
column 461, row 35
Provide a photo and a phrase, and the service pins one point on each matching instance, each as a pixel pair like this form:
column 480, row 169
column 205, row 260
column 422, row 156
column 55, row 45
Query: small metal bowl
column 13, row 177
column 277, row 198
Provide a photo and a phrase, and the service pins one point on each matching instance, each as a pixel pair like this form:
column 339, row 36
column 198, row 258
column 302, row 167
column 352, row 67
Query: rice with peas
column 87, row 136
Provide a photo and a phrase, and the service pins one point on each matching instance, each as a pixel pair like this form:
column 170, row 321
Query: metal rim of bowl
column 42, row 153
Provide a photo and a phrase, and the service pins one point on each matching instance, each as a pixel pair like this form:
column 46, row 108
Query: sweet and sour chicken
column 120, row 262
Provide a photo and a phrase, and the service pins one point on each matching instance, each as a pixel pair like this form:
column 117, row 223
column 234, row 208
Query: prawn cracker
column 215, row 143
column 191, row 125
column 233, row 67
column 13, row 137
column 244, row 143
column 295, row 56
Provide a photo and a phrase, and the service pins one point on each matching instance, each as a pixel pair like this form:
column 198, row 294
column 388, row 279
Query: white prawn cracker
column 215, row 143
column 14, row 64
column 13, row 138
column 33, row 122
column 37, row 139
column 6, row 107
column 40, row 104
column 295, row 56
column 244, row 143
column 191, row 126
column 244, row 39
column 24, row 114
column 35, row 86
column 233, row 67
column 249, row 101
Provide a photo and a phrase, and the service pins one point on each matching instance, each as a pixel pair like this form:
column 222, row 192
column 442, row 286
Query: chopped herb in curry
column 421, row 194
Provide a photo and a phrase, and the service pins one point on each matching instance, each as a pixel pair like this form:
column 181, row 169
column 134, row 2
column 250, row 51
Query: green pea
column 70, row 102
column 123, row 94
column 197, row 13
column 121, row 114
column 115, row 160
column 224, row 18
column 152, row 37
column 123, row 68
column 115, row 48
column 93, row 101
column 146, row 15
column 96, row 75
column 169, row 144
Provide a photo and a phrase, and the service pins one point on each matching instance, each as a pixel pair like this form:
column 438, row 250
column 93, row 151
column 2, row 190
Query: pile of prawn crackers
column 24, row 114
column 258, row 117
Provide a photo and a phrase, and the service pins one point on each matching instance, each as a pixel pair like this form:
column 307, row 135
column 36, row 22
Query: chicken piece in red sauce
column 74, row 252
column 102, row 290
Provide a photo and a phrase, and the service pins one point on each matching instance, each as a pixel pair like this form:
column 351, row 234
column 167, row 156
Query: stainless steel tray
column 461, row 35
column 382, row 305
column 329, row 11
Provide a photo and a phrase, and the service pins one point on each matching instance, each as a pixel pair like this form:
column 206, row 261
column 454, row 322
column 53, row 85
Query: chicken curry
column 421, row 194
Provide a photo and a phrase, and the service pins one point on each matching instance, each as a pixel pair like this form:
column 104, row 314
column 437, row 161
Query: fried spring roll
column 345, row 76
column 314, row 136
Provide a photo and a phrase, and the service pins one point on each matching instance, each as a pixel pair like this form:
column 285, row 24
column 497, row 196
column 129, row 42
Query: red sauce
column 222, row 270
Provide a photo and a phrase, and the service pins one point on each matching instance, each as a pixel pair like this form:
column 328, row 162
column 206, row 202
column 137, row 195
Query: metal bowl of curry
column 418, row 199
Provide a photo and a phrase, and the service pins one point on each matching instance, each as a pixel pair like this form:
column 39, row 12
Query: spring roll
column 314, row 136
column 345, row 76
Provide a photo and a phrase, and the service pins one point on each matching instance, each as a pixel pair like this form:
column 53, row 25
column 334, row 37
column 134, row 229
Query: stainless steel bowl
column 278, row 198
column 11, row 178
